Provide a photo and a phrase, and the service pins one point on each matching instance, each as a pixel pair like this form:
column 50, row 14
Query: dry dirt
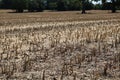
column 60, row 46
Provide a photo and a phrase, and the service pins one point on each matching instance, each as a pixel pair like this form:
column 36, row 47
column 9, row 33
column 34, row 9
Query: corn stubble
column 85, row 50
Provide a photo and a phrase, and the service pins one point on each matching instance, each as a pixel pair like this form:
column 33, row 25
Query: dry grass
column 60, row 46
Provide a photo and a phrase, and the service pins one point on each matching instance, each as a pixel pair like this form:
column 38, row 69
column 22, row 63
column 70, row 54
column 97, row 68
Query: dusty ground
column 60, row 46
column 16, row 18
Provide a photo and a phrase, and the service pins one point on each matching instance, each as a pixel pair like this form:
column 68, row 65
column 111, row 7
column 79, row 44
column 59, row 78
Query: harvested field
column 60, row 46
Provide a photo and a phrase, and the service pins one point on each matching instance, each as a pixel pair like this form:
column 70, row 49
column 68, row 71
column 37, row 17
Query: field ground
column 60, row 46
